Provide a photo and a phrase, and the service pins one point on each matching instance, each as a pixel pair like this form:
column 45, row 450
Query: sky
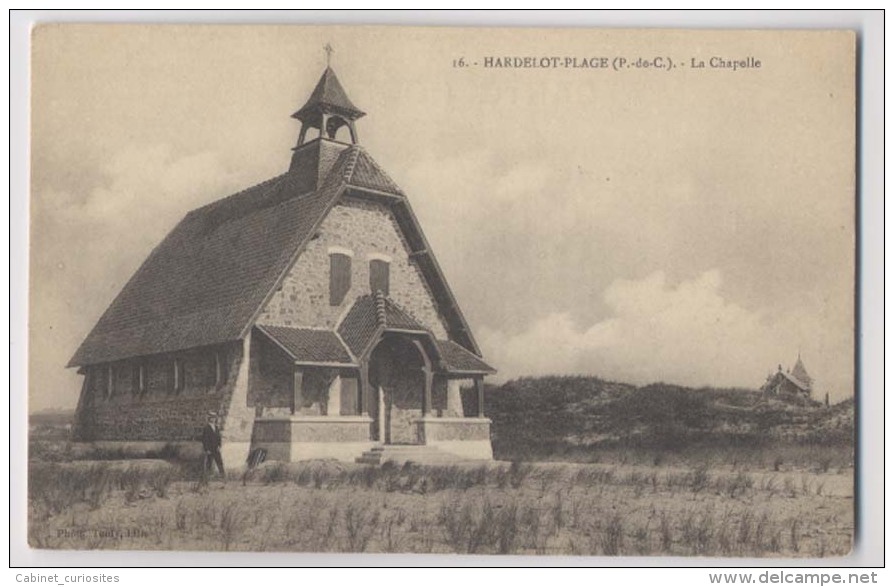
column 692, row 226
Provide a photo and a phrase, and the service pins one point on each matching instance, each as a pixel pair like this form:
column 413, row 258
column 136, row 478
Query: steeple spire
column 328, row 108
column 799, row 372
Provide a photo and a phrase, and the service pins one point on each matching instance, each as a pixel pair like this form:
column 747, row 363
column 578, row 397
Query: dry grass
column 519, row 508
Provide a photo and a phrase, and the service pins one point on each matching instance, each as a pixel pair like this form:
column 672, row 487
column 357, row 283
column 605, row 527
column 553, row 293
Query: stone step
column 402, row 453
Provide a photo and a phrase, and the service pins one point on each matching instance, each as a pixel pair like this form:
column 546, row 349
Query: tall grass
column 521, row 508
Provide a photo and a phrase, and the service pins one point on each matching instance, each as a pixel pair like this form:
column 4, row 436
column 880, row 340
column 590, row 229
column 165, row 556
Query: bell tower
column 327, row 111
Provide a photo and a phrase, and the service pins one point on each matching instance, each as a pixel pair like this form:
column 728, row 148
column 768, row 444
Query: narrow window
column 177, row 376
column 220, row 369
column 110, row 389
column 138, row 379
column 97, row 382
column 378, row 276
column 339, row 278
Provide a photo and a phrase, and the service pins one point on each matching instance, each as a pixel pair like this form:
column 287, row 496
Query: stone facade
column 271, row 382
column 119, row 408
column 368, row 231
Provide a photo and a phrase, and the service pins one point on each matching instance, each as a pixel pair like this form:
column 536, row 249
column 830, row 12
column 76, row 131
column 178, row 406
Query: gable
column 232, row 263
column 205, row 281
column 368, row 231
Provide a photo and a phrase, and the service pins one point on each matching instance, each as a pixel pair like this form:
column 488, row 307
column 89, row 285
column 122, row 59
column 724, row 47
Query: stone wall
column 312, row 429
column 158, row 412
column 432, row 430
column 271, row 378
column 364, row 229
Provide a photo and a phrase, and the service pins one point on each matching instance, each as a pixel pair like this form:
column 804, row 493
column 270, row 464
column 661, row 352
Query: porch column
column 479, row 389
column 428, row 375
column 454, row 398
column 333, row 405
column 380, row 397
column 297, row 383
column 363, row 390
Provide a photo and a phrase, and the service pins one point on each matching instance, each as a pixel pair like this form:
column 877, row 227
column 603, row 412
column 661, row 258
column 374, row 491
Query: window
column 138, row 379
column 99, row 381
column 378, row 276
column 339, row 277
column 111, row 382
column 220, row 368
column 177, row 379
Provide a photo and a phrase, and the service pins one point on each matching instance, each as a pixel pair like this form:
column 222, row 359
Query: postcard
column 500, row 291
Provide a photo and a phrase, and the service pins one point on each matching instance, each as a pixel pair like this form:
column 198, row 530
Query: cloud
column 89, row 236
column 684, row 333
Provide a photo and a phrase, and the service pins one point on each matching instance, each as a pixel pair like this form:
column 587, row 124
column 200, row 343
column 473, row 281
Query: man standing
column 211, row 446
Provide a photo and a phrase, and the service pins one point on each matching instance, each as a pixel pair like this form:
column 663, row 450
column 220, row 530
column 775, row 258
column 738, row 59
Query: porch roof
column 459, row 360
column 310, row 346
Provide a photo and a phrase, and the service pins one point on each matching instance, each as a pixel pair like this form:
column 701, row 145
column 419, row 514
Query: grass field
column 795, row 509
column 586, row 467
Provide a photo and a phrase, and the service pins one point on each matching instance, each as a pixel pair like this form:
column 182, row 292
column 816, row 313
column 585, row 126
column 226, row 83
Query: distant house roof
column 799, row 372
column 776, row 378
column 309, row 346
column 796, row 382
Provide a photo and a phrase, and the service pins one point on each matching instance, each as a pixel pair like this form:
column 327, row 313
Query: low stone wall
column 465, row 437
column 296, row 438
column 440, row 429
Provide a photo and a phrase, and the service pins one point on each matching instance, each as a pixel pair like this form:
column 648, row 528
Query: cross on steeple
column 329, row 51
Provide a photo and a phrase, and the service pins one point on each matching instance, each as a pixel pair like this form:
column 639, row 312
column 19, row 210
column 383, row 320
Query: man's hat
column 212, row 414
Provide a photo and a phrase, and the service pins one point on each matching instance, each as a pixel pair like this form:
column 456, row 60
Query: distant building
column 309, row 312
column 794, row 382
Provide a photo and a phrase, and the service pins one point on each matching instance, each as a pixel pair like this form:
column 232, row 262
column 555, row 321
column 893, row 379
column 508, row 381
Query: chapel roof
column 206, row 282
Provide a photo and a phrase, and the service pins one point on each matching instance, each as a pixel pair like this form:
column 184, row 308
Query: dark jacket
column 210, row 438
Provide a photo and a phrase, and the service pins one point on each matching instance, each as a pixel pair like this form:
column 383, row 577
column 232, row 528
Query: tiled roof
column 329, row 95
column 359, row 325
column 206, row 281
column 308, row 345
column 367, row 315
column 208, row 277
column 397, row 317
column 457, row 359
column 366, row 173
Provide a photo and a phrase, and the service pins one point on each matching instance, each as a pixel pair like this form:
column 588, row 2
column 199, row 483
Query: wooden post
column 363, row 388
column 428, row 376
column 333, row 403
column 382, row 433
column 297, row 384
column 479, row 388
column 426, row 396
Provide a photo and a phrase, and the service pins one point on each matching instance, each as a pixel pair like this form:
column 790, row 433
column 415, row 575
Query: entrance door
column 398, row 383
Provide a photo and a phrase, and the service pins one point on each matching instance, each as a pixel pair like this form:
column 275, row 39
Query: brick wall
column 364, row 228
